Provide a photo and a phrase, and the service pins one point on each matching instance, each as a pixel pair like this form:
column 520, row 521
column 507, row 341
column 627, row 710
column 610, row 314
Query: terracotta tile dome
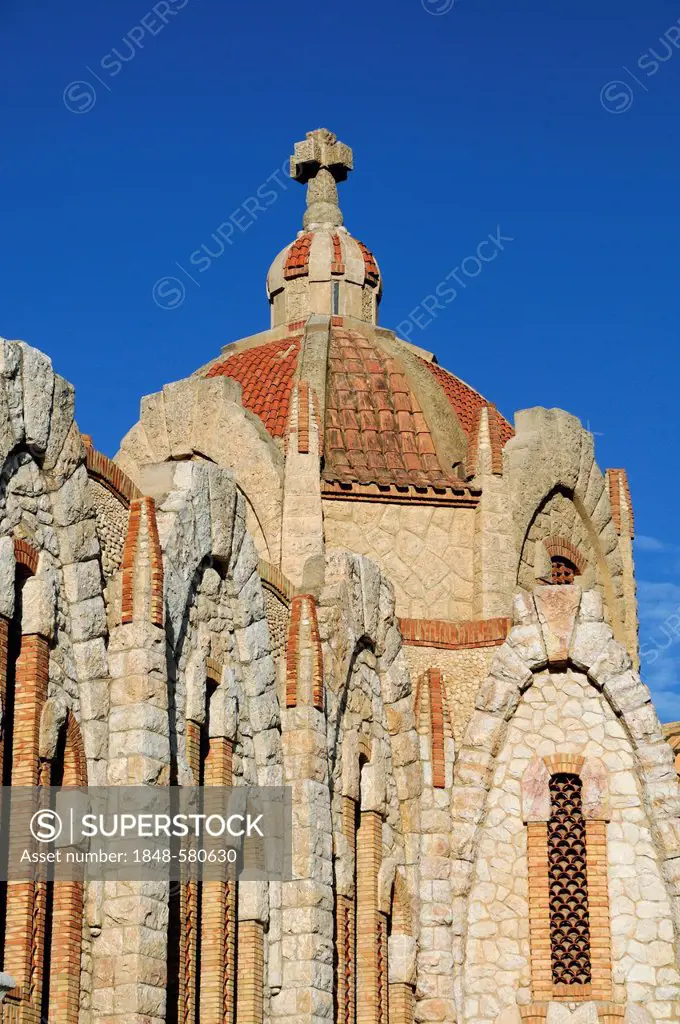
column 375, row 430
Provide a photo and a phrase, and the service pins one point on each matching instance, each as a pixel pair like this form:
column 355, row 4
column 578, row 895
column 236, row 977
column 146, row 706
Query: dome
column 390, row 416
column 324, row 270
column 391, row 420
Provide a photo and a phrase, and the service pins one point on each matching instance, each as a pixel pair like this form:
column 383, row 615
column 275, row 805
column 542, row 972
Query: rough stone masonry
column 324, row 561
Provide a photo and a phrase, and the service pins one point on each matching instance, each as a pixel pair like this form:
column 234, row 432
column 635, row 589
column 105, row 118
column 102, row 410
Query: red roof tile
column 619, row 496
column 265, row 374
column 297, row 260
column 375, row 429
column 467, row 405
column 372, row 272
column 337, row 266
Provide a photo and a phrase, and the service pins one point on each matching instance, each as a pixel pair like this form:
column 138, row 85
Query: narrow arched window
column 568, row 880
column 565, row 800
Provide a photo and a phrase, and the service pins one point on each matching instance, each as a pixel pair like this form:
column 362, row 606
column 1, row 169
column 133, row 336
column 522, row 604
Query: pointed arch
column 560, row 629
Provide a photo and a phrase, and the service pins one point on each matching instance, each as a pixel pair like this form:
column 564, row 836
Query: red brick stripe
column 156, row 558
column 454, row 635
column 27, row 555
column 437, row 723
column 337, row 266
column 303, row 603
column 371, row 267
column 142, row 510
column 497, row 439
column 297, row 260
column 455, row 497
column 560, row 548
column 128, row 561
column 619, row 495
column 106, row 472
column 272, row 576
column 303, row 417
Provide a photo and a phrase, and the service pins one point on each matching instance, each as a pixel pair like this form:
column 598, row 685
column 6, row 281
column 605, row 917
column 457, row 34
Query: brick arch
column 599, row 562
column 559, row 547
column 552, row 452
column 213, row 670
column 26, row 554
column 61, row 749
column 108, row 474
column 273, row 579
column 76, row 751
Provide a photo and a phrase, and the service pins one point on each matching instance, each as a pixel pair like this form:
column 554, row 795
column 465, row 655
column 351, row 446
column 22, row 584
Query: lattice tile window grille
column 563, row 571
column 569, row 915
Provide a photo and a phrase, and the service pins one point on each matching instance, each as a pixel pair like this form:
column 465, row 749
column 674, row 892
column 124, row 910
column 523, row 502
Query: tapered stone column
column 130, row 970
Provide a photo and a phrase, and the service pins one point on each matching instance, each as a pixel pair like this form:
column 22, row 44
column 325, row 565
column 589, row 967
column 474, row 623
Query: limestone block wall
column 427, row 552
column 203, row 420
column 375, row 783
column 48, row 533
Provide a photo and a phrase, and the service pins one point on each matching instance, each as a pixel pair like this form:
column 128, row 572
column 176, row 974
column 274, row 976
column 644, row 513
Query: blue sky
column 130, row 136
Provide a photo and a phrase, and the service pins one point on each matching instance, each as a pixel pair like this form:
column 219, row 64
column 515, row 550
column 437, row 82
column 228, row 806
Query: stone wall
column 557, row 518
column 564, row 712
column 48, row 531
column 552, row 454
column 562, row 696
column 462, row 674
column 112, row 523
column 426, row 552
column 202, row 419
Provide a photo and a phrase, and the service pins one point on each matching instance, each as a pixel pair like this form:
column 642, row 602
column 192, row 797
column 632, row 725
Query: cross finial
column 320, row 162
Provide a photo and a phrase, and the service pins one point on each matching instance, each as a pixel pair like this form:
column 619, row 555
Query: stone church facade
column 324, row 561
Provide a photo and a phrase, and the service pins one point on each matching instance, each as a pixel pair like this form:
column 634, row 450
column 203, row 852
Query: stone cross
column 320, row 162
